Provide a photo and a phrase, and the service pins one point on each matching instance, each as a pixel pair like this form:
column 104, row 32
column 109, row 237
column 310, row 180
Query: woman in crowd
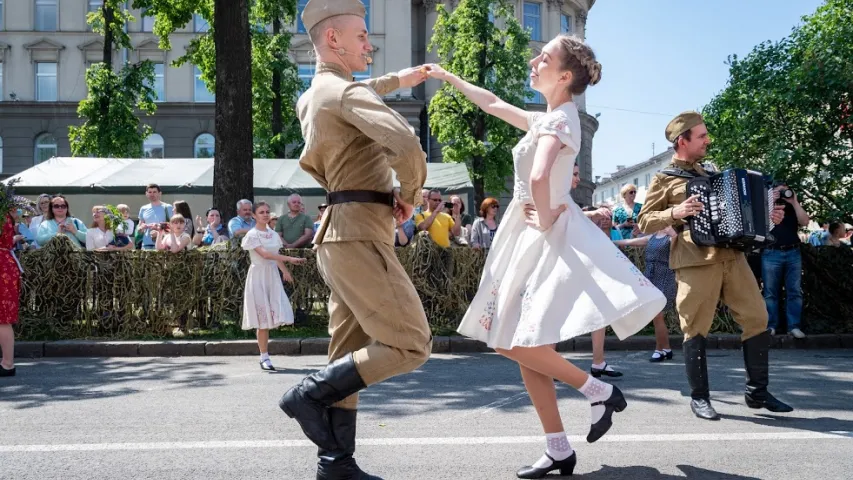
column 182, row 208
column 43, row 203
column 625, row 215
column 173, row 238
column 98, row 236
column 459, row 215
column 59, row 221
column 10, row 285
column 215, row 231
column 265, row 304
column 486, row 225
column 837, row 235
column 657, row 270
column 548, row 276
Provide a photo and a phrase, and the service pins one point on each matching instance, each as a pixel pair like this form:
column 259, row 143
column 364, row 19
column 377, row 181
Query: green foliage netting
column 67, row 293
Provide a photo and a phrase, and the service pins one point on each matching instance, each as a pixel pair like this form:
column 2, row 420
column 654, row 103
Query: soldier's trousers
column 701, row 288
column 374, row 311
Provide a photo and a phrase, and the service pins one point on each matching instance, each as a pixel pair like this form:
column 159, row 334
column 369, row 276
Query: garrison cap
column 682, row 123
column 318, row 10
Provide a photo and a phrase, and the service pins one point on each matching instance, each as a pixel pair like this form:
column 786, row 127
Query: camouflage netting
column 69, row 293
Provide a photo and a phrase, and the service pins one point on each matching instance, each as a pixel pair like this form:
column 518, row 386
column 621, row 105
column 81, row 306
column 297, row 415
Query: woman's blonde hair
column 178, row 218
column 627, row 188
column 96, row 209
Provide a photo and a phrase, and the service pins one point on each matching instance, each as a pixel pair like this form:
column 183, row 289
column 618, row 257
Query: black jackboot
column 339, row 464
column 308, row 402
column 755, row 358
column 696, row 361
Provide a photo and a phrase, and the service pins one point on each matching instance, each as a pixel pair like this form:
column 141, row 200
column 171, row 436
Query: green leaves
column 492, row 56
column 788, row 111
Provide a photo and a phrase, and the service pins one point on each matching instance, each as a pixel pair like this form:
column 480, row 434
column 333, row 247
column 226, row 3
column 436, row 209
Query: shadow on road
column 651, row 473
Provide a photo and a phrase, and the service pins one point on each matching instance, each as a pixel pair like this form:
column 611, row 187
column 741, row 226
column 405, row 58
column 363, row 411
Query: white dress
column 265, row 305
column 540, row 288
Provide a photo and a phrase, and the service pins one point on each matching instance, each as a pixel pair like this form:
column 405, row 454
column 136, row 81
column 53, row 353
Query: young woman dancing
column 551, row 274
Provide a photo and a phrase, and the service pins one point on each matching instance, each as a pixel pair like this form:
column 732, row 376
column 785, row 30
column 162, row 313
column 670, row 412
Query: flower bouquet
column 9, row 201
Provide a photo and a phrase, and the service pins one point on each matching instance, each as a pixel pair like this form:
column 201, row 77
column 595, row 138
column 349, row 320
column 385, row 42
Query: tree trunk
column 233, row 169
column 104, row 100
column 109, row 19
column 277, row 125
column 478, row 163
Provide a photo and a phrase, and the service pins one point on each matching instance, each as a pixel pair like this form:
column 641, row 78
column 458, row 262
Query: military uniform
column 704, row 276
column 376, row 319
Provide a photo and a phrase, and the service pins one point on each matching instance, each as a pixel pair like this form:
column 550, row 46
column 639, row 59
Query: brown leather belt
column 360, row 196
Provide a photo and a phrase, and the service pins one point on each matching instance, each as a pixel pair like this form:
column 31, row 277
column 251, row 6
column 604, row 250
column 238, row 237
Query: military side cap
column 318, row 10
column 682, row 123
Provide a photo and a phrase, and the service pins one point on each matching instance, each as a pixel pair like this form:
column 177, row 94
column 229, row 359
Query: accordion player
column 737, row 209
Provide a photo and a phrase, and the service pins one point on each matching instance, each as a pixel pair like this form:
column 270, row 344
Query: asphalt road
column 458, row 417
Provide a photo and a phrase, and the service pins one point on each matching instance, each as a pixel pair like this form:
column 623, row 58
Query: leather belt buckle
column 360, row 196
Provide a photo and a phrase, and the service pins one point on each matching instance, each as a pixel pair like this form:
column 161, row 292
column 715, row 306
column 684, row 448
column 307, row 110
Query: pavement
column 460, row 416
column 319, row 346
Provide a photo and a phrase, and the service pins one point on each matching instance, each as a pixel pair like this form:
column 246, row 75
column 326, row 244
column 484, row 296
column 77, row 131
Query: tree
column 112, row 127
column 275, row 81
column 492, row 56
column 229, row 70
column 787, row 111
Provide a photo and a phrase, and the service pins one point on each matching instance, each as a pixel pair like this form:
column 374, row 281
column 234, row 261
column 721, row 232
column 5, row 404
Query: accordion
column 737, row 210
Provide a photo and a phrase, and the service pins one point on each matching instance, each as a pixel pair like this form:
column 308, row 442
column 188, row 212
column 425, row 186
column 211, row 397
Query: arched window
column 204, row 146
column 153, row 147
column 45, row 147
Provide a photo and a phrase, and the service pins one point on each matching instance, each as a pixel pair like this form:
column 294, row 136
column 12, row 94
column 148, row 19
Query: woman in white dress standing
column 265, row 305
column 551, row 274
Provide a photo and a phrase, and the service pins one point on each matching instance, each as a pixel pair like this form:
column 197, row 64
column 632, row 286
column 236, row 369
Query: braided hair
column 579, row 59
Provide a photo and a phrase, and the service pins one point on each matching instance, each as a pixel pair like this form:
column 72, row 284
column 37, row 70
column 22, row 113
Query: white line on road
column 264, row 444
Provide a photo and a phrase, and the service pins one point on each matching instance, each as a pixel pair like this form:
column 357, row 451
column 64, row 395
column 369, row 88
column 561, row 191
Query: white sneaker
column 797, row 333
column 772, row 331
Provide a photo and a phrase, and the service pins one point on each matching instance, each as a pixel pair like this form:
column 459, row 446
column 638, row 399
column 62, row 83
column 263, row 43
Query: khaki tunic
column 705, row 275
column 352, row 142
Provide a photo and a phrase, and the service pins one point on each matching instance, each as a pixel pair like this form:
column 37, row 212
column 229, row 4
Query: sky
column 662, row 57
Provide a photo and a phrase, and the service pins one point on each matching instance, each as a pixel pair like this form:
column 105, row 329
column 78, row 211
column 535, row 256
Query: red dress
column 10, row 276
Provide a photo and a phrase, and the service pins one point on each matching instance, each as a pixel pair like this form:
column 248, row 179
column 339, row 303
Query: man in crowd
column 781, row 264
column 244, row 221
column 295, row 228
column 439, row 224
column 152, row 215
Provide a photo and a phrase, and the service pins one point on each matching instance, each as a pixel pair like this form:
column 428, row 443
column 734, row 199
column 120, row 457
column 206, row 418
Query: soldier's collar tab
column 334, row 68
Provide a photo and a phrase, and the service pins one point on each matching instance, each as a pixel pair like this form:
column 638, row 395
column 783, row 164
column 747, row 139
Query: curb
column 320, row 346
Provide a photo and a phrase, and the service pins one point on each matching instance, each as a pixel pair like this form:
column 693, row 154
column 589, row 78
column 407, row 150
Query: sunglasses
column 496, row 207
column 632, row 191
column 61, row 206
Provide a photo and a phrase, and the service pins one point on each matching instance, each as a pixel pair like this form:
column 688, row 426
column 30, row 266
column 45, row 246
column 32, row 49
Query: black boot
column 755, row 357
column 696, row 361
column 566, row 468
column 308, row 402
column 339, row 464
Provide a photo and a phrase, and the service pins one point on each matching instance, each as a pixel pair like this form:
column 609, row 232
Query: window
column 159, row 85
column 201, row 93
column 1, row 146
column 205, row 146
column 45, row 147
column 153, row 147
column 94, row 5
column 46, row 82
column 612, row 192
column 147, row 22
column 648, row 179
column 300, row 6
column 565, row 23
column 47, row 16
column 306, row 73
column 533, row 20
column 200, row 25
column 1, row 75
column 636, row 181
column 1, row 14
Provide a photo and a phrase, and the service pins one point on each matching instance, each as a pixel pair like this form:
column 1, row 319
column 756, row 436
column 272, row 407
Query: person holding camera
column 781, row 264
column 439, row 224
column 625, row 215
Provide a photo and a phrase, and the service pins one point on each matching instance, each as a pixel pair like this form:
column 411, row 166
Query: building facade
column 46, row 47
column 640, row 175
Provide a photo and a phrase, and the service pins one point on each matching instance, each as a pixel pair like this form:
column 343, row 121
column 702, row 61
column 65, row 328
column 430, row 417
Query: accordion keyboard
column 703, row 225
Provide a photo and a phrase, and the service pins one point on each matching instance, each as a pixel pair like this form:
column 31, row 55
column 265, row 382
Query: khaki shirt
column 665, row 192
column 352, row 142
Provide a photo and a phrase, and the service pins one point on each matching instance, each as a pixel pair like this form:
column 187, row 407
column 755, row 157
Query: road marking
column 496, row 404
column 265, row 444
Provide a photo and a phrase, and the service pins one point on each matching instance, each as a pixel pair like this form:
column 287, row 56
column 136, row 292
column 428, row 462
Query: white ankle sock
column 596, row 391
column 557, row 447
column 265, row 356
column 602, row 366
